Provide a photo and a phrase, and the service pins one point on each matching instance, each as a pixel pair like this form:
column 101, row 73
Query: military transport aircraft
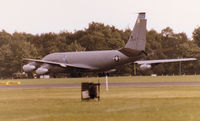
column 99, row 61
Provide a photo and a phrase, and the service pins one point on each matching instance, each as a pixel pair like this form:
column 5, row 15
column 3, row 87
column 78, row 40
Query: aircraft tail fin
column 137, row 39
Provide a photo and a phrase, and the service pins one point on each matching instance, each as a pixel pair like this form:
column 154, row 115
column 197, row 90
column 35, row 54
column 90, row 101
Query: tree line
column 164, row 45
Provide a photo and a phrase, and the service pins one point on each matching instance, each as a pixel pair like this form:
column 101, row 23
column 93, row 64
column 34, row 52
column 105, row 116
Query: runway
column 78, row 85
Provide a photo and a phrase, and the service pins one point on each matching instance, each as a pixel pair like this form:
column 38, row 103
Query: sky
column 43, row 16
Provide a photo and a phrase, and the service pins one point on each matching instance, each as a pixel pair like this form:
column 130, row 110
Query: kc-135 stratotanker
column 99, row 61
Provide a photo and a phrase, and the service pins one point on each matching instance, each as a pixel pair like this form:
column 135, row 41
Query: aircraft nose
column 28, row 68
column 41, row 71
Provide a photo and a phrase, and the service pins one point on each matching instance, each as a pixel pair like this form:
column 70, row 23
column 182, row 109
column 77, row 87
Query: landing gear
column 54, row 76
column 103, row 74
column 30, row 75
column 78, row 74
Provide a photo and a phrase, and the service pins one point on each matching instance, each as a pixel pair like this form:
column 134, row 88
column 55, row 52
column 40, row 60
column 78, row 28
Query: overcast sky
column 42, row 16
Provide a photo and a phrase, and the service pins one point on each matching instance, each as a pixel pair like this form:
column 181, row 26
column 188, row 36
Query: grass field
column 124, row 79
column 166, row 103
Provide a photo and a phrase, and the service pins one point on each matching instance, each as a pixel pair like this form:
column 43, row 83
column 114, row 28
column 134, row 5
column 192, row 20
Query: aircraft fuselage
column 94, row 60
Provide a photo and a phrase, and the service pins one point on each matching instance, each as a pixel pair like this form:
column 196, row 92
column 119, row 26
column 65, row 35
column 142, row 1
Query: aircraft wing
column 164, row 61
column 64, row 65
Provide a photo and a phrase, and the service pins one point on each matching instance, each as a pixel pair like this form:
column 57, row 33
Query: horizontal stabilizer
column 164, row 61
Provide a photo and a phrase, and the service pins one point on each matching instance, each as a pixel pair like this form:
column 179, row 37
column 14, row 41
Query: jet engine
column 43, row 69
column 29, row 67
column 145, row 66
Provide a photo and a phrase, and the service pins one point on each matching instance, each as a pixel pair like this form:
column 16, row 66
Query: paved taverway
column 77, row 85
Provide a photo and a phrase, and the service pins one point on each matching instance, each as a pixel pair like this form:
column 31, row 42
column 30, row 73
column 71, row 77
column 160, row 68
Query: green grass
column 166, row 103
column 119, row 104
column 124, row 79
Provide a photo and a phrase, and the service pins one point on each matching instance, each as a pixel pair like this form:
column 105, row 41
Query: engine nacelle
column 145, row 66
column 29, row 67
column 41, row 71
